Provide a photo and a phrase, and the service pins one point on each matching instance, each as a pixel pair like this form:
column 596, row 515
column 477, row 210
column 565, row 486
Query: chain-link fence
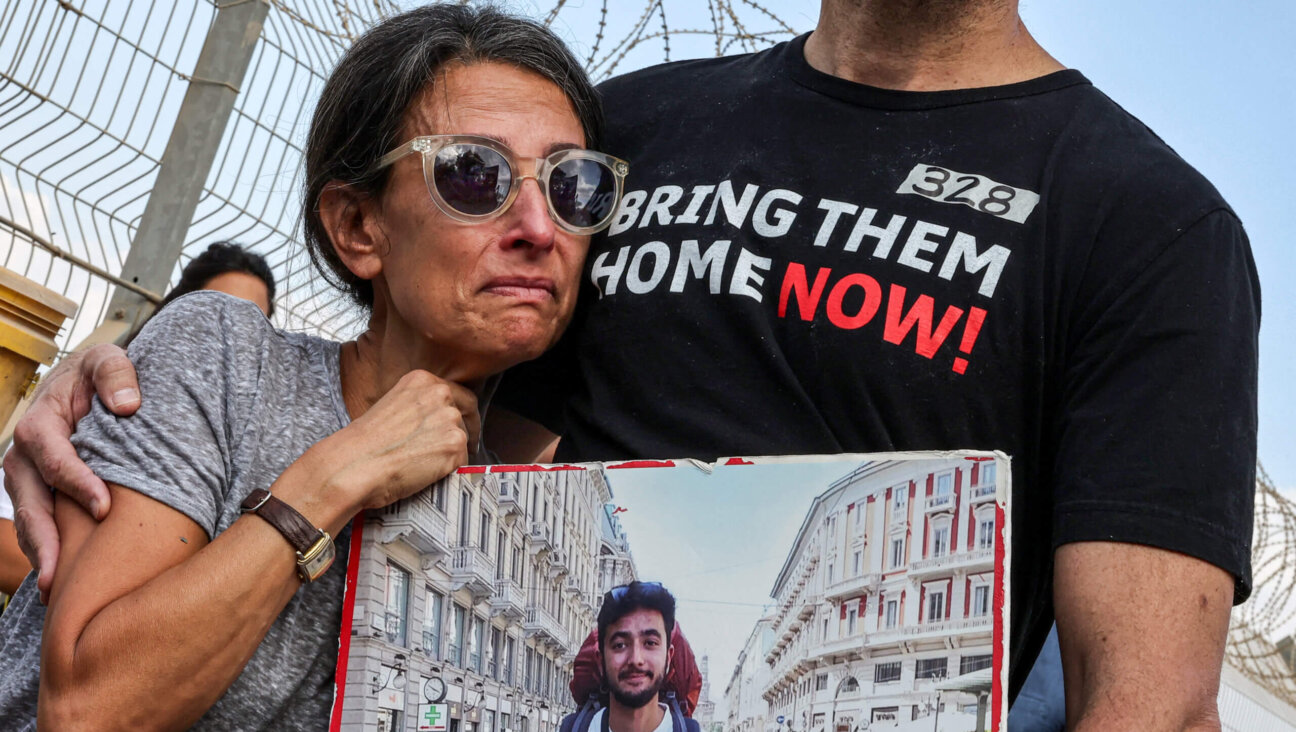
column 91, row 92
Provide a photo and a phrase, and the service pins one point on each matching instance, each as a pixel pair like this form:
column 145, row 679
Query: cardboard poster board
column 838, row 593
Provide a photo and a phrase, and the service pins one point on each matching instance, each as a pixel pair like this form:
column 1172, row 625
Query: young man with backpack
column 635, row 651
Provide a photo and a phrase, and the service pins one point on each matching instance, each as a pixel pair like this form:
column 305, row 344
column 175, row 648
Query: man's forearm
column 1142, row 633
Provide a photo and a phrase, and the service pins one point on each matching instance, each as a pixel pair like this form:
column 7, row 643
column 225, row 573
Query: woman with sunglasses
column 450, row 192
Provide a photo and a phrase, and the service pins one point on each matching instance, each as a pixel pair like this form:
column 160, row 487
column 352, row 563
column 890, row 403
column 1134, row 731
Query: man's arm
column 1142, row 633
column 517, row 440
column 43, row 457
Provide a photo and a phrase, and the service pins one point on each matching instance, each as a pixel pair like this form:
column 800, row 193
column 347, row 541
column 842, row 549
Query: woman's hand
column 417, row 433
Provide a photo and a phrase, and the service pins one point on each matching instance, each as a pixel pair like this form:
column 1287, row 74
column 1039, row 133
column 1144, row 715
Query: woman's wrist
column 314, row 487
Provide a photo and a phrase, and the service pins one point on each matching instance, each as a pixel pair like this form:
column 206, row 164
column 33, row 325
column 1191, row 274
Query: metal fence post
column 187, row 159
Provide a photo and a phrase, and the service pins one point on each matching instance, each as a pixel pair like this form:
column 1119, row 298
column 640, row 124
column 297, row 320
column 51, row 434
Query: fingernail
column 96, row 508
column 125, row 397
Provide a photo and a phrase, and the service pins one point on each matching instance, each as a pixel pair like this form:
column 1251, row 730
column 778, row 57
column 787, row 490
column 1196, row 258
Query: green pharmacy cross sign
column 432, row 717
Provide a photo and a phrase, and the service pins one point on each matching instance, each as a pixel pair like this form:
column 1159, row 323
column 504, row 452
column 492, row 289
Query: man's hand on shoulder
column 1142, row 633
column 42, row 456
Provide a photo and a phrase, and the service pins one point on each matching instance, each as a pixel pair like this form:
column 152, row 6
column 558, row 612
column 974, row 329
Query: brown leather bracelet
column 314, row 547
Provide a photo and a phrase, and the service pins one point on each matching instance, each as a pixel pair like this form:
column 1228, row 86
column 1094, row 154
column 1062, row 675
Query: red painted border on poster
column 641, row 464
column 998, row 659
column 348, row 616
column 533, row 468
column 738, row 461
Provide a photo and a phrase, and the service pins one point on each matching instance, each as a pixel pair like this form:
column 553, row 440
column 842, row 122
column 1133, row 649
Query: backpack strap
column 679, row 722
column 580, row 720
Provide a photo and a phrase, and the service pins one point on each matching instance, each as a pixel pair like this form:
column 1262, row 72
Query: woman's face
column 495, row 293
column 242, row 284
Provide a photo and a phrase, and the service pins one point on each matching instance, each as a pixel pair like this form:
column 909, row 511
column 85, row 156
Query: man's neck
column 630, row 719
column 926, row 45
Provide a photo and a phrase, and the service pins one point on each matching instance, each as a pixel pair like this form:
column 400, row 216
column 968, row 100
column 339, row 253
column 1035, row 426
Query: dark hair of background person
column 637, row 596
column 220, row 258
column 361, row 112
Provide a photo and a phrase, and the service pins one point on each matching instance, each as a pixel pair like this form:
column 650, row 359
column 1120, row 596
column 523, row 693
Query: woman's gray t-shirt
column 228, row 403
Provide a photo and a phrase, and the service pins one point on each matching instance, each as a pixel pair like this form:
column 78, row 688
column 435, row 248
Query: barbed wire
column 1260, row 630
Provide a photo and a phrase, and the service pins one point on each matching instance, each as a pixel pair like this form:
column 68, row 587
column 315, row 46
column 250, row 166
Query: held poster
column 839, row 593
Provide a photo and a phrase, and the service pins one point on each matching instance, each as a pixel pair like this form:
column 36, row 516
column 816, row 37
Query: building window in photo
column 388, row 720
column 980, row 601
column 985, row 530
column 940, row 539
column 397, row 604
column 886, row 672
column 509, row 652
column 944, row 484
column 968, row 664
column 935, row 605
column 931, row 668
column 432, row 624
column 458, row 634
column 492, row 660
column 475, row 645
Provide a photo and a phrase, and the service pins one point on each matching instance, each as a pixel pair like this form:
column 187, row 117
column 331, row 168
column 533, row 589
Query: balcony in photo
column 541, row 625
column 982, row 493
column 472, row 569
column 417, row 523
column 507, row 599
column 850, row 648
column 557, row 562
column 539, row 538
column 940, row 502
column 510, row 498
column 947, row 626
column 960, row 560
column 849, row 587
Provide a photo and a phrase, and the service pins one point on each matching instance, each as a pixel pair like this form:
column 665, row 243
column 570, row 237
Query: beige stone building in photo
column 473, row 598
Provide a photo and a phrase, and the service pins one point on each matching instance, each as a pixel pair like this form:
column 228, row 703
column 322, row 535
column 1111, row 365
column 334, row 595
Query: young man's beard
column 637, row 699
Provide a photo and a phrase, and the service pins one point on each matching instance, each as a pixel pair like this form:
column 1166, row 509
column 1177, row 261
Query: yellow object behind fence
column 30, row 319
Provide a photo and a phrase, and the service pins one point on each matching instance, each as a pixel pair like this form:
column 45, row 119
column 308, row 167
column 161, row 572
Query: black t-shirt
column 807, row 265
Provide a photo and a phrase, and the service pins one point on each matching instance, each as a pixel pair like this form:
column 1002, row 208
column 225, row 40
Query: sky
column 717, row 541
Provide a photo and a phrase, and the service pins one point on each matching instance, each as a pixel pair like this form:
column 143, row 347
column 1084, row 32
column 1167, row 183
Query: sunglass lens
column 472, row 179
column 582, row 192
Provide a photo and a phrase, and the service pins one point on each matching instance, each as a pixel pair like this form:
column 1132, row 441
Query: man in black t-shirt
column 914, row 230
column 911, row 230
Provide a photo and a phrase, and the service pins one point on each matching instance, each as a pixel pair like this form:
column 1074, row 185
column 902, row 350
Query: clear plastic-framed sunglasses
column 474, row 179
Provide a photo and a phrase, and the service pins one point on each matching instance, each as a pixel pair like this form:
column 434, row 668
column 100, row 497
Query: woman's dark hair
column 621, row 601
column 220, row 258
column 361, row 111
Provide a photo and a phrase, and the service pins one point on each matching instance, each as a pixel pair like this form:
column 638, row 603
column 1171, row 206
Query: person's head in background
column 634, row 630
column 226, row 267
